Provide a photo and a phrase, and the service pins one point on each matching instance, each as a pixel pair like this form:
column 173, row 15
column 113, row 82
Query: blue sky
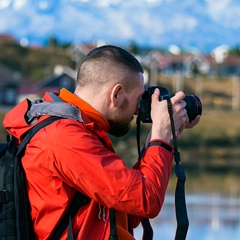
column 202, row 24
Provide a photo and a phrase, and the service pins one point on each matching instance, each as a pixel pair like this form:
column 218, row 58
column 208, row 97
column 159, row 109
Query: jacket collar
column 99, row 120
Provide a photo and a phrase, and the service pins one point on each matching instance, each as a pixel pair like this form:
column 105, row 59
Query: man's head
column 111, row 80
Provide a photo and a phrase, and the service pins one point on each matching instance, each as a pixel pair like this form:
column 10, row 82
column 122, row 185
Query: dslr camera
column 193, row 104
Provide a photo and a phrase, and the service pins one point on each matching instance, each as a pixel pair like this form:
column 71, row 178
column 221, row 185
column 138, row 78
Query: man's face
column 120, row 124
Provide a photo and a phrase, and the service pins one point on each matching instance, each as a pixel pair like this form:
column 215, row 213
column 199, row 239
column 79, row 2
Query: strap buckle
column 4, row 196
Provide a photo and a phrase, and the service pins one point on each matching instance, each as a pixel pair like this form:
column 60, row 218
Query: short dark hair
column 108, row 63
column 117, row 54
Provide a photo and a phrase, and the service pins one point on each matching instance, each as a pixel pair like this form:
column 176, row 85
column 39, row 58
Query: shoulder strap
column 24, row 228
column 78, row 200
column 33, row 131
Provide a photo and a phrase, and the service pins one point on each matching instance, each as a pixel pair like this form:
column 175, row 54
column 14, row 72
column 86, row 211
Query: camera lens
column 193, row 106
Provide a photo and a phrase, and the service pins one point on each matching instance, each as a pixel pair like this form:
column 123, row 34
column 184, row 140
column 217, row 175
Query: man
column 75, row 153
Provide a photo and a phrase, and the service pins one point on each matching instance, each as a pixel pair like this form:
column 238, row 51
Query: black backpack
column 15, row 218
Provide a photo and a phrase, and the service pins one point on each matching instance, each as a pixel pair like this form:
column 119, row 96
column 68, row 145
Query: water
column 211, row 216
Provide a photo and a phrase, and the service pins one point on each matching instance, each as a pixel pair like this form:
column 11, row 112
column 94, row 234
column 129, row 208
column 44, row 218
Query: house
column 9, row 84
column 62, row 77
column 195, row 64
column 230, row 66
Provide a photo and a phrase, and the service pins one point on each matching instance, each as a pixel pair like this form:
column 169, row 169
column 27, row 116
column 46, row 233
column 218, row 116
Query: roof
column 7, row 77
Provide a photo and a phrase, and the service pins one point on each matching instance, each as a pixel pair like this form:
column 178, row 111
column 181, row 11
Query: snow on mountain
column 204, row 24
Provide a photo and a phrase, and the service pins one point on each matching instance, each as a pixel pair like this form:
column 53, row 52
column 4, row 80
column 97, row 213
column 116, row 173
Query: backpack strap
column 24, row 228
column 113, row 228
column 33, row 131
column 78, row 200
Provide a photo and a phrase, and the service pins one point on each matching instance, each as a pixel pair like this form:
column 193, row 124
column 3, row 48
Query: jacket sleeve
column 79, row 159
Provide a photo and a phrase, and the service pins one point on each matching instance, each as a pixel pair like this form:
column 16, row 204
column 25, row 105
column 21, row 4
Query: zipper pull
column 102, row 212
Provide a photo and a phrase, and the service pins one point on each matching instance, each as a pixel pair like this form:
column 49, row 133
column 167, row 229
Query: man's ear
column 117, row 95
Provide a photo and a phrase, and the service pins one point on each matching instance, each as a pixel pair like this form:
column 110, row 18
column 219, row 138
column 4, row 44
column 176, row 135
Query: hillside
column 33, row 63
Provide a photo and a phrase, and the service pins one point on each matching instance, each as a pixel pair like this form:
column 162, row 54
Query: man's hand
column 188, row 125
column 161, row 127
column 193, row 122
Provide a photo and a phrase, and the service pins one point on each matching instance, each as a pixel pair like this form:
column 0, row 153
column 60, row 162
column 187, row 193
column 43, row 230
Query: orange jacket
column 69, row 155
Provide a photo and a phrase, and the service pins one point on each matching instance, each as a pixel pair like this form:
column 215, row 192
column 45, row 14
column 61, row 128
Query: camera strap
column 180, row 202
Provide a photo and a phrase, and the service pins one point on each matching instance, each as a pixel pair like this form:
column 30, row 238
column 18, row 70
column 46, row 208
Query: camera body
column 193, row 104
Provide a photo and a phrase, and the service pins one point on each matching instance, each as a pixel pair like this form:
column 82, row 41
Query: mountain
column 201, row 24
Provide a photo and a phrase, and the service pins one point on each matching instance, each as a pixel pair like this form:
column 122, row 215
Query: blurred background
column 191, row 45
